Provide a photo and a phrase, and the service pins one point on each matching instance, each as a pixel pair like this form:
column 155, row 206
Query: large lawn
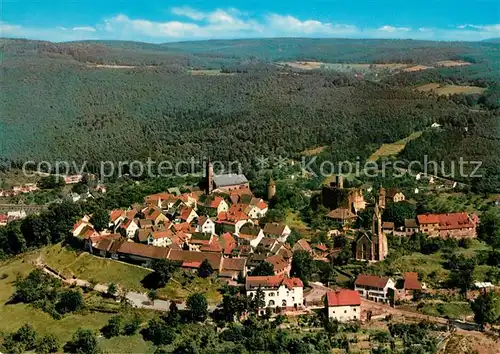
column 89, row 267
column 104, row 271
column 13, row 316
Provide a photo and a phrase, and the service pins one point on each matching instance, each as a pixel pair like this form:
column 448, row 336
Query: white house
column 343, row 305
column 277, row 230
column 258, row 208
column 130, row 227
column 219, row 204
column 79, row 226
column 251, row 234
column 279, row 290
column 160, row 238
column 375, row 288
column 187, row 214
column 205, row 225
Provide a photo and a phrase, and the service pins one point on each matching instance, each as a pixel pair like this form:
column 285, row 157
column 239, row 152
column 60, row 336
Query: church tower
column 210, row 177
column 271, row 189
column 381, row 198
column 379, row 238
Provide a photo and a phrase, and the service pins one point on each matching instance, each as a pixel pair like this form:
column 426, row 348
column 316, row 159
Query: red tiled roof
column 146, row 251
column 193, row 256
column 126, row 223
column 303, row 245
column 388, row 225
column 321, row 247
column 448, row 221
column 371, row 280
column 261, row 205
column 115, row 214
column 411, row 281
column 185, row 212
column 216, row 202
column 191, row 264
column 228, row 242
column 183, row 226
column 238, row 264
column 274, row 229
column 454, row 221
column 273, row 281
column 161, row 234
column 428, row 219
column 278, row 263
column 343, row 297
column 212, row 247
column 75, row 226
column 88, row 231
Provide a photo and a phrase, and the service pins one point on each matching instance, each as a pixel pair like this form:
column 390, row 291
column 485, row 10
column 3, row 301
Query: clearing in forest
column 314, row 151
column 395, row 148
column 450, row 89
column 418, row 68
column 208, row 72
column 451, row 63
column 310, row 65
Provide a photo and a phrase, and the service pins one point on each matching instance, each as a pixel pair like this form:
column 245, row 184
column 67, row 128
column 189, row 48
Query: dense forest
column 56, row 105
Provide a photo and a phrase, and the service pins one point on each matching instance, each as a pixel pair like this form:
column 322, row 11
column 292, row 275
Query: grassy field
column 104, row 271
column 311, row 65
column 294, row 222
column 450, row 89
column 88, row 267
column 455, row 310
column 15, row 315
column 393, row 149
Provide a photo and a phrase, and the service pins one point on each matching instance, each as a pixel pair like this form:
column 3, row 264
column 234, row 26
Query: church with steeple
column 373, row 246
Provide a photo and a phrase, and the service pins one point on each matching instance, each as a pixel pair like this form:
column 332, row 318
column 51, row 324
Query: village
column 223, row 225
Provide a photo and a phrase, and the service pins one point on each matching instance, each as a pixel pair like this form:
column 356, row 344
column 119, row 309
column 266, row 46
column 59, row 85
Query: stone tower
column 210, row 177
column 381, row 198
column 379, row 238
column 271, row 189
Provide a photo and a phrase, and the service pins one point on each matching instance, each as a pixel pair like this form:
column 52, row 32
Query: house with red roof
column 279, row 290
column 281, row 266
column 228, row 243
column 4, row 218
column 249, row 234
column 233, row 267
column 200, row 239
column 205, row 224
column 160, row 238
column 129, row 227
column 232, row 220
column 156, row 215
column 217, row 204
column 302, row 245
column 80, row 225
column 375, row 288
column 280, row 231
column 343, row 305
column 116, row 217
column 455, row 225
column 187, row 214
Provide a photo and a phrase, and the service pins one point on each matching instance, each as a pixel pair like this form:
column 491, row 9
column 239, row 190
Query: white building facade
column 279, row 291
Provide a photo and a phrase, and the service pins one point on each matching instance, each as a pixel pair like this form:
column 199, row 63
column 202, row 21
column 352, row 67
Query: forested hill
column 56, row 103
column 216, row 53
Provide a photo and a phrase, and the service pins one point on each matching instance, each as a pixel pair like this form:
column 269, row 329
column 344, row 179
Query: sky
column 159, row 21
